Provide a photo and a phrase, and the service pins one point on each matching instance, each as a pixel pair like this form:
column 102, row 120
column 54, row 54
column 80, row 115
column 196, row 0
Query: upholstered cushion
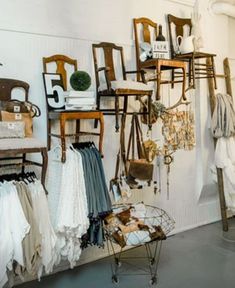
column 23, row 143
column 127, row 84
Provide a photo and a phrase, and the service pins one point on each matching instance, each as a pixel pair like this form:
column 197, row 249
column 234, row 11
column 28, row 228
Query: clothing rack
column 227, row 77
column 27, row 163
column 82, row 145
column 29, row 176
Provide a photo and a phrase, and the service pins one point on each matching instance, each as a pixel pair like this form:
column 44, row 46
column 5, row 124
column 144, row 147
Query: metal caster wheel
column 115, row 279
column 153, row 281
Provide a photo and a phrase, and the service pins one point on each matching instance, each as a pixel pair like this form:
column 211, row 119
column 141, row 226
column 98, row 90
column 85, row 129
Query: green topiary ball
column 80, row 80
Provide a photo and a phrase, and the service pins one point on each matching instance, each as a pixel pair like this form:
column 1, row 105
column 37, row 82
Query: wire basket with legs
column 132, row 226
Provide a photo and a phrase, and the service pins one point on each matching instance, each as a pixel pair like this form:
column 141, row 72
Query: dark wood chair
column 145, row 30
column 113, row 85
column 14, row 148
column 196, row 70
column 65, row 115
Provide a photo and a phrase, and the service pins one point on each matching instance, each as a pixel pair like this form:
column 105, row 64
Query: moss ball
column 80, row 80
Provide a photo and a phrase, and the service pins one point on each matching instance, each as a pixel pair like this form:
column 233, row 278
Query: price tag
column 16, row 109
column 18, row 116
column 11, row 125
column 161, row 49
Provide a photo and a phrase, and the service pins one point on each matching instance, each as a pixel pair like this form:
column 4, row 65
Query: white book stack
column 80, row 100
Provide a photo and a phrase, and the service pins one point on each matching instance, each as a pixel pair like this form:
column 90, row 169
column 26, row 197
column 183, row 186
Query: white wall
column 30, row 30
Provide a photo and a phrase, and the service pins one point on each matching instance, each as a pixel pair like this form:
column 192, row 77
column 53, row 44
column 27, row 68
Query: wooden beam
column 228, row 77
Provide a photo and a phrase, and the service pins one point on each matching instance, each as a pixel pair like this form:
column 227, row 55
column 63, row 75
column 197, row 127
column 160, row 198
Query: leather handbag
column 23, row 117
column 141, row 169
column 23, row 111
column 16, row 106
column 137, row 165
column 12, row 130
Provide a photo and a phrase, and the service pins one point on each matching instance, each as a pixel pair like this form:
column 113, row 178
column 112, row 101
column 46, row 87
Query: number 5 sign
column 54, row 90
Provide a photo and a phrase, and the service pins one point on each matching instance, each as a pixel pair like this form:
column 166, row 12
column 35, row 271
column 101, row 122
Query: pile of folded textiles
column 136, row 224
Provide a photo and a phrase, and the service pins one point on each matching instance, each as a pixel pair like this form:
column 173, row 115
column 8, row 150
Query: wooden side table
column 63, row 116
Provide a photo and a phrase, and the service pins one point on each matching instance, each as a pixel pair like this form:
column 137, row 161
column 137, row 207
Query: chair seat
column 8, row 145
column 131, row 86
column 196, row 55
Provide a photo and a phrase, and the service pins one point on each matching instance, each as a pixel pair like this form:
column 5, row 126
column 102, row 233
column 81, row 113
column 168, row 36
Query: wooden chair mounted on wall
column 66, row 115
column 112, row 85
column 17, row 148
column 196, row 70
column 145, row 30
column 60, row 61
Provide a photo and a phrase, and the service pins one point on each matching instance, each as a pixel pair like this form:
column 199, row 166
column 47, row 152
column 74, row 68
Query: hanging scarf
column 223, row 118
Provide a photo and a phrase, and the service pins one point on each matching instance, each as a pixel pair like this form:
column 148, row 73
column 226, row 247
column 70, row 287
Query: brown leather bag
column 137, row 165
column 16, row 106
column 25, row 117
column 141, row 169
column 15, row 110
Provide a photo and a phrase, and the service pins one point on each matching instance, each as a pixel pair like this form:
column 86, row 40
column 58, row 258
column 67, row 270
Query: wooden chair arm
column 142, row 72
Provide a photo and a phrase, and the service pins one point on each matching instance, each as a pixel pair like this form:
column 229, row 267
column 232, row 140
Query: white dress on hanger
column 6, row 247
column 13, row 227
column 225, row 159
column 53, row 182
column 72, row 214
column 49, row 252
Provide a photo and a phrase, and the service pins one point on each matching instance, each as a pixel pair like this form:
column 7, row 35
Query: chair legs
column 213, row 71
column 149, row 111
column 192, row 64
column 116, row 112
column 62, row 135
column 96, row 115
column 184, row 84
column 44, row 165
column 197, row 71
column 77, row 130
column 98, row 108
column 125, row 104
column 49, row 134
column 101, row 120
column 158, row 82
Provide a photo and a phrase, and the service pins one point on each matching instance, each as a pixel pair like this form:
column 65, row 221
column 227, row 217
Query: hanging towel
column 223, row 117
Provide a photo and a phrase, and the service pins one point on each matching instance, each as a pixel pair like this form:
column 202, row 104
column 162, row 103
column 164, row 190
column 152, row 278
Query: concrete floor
column 199, row 258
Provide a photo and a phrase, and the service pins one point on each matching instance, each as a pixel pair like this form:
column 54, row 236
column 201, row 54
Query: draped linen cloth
column 49, row 253
column 225, row 159
column 13, row 229
column 223, row 128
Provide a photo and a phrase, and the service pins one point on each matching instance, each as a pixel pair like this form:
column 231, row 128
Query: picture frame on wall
column 54, row 90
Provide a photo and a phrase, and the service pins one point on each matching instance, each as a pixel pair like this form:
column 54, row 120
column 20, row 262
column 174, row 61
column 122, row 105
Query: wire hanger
column 82, row 145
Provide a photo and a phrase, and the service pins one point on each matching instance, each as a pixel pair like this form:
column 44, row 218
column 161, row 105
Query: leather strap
column 136, row 135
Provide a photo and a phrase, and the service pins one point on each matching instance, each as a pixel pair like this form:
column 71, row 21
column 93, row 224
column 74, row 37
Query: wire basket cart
column 132, row 226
